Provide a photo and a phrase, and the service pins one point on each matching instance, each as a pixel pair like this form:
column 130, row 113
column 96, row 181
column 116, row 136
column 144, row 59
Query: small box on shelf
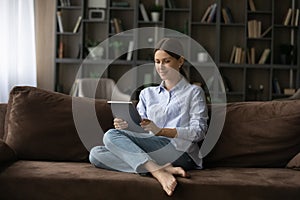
column 289, row 91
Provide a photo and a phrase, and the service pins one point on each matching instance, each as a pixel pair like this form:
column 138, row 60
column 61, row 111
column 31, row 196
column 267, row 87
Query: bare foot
column 165, row 176
column 166, row 179
column 176, row 170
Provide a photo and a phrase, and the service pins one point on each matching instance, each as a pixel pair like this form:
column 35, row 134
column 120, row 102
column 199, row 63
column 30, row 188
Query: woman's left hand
column 149, row 125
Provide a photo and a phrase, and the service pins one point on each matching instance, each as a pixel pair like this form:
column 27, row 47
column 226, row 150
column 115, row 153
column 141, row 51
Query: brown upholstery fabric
column 294, row 163
column 66, row 180
column 2, row 119
column 6, row 153
column 258, row 134
column 40, row 125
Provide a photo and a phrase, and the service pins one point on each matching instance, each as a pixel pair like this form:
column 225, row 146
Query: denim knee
column 92, row 155
column 110, row 135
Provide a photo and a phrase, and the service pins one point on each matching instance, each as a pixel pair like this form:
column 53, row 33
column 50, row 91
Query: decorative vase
column 155, row 16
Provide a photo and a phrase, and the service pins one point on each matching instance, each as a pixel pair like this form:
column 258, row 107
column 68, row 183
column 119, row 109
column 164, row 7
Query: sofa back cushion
column 6, row 153
column 2, row 118
column 40, row 126
column 258, row 134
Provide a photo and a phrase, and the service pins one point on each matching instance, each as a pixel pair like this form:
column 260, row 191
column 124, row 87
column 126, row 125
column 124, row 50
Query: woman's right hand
column 120, row 124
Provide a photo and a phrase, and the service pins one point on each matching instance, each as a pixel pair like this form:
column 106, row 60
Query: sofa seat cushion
column 71, row 180
column 258, row 134
column 39, row 124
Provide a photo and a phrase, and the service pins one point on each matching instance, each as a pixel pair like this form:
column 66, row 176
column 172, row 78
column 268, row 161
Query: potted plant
column 94, row 49
column 117, row 47
column 155, row 11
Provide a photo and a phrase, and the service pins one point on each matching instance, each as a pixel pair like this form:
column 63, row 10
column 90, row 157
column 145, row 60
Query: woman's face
column 167, row 66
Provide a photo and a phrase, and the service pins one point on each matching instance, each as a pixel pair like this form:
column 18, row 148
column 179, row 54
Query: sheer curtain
column 17, row 45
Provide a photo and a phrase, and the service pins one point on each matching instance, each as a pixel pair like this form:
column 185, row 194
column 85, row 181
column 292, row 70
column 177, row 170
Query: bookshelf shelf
column 217, row 35
column 68, row 60
column 69, row 7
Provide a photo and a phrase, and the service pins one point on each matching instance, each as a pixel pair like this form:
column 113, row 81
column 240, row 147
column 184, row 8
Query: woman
column 174, row 112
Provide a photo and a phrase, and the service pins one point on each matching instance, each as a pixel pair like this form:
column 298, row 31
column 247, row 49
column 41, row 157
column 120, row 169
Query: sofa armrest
column 2, row 119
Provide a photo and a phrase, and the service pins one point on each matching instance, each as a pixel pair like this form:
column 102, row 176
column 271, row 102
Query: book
column 76, row 27
column 258, row 29
column 287, row 17
column 59, row 20
column 252, row 55
column 118, row 25
column 252, row 5
column 144, row 13
column 171, row 4
column 204, row 17
column 129, row 51
column 238, row 55
column 212, row 13
column 250, row 28
column 127, row 111
column 297, row 17
column 266, row 31
column 62, row 3
column 61, row 49
column 65, row 3
column 248, row 57
column 292, row 21
column 243, row 56
column 264, row 56
column 119, row 4
column 232, row 54
column 227, row 15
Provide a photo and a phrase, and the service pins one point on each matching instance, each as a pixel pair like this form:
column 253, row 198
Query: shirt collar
column 181, row 84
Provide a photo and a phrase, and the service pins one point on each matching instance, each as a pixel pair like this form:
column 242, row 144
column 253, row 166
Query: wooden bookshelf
column 218, row 34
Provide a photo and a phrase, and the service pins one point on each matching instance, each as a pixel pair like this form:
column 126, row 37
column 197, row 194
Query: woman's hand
column 148, row 125
column 120, row 124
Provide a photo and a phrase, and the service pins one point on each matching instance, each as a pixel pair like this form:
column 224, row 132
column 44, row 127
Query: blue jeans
column 127, row 152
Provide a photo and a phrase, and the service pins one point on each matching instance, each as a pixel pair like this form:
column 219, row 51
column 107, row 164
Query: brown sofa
column 42, row 156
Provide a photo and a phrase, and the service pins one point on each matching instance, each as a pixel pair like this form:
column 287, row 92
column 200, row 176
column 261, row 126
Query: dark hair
column 174, row 48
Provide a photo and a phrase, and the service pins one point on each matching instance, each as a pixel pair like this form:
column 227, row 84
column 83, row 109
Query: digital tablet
column 127, row 111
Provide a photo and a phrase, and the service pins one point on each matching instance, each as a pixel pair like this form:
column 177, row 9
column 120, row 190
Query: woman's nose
column 161, row 65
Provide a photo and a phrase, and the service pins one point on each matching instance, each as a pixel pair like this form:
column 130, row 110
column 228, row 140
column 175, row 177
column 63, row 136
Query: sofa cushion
column 6, row 153
column 258, row 134
column 294, row 163
column 2, row 119
column 67, row 180
column 40, row 125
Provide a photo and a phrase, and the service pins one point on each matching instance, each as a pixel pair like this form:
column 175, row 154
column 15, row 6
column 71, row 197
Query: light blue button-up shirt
column 184, row 108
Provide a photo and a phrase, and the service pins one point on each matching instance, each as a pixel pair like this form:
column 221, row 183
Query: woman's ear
column 181, row 61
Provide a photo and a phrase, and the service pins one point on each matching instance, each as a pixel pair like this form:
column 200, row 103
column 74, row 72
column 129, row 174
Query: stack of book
column 237, row 55
column 254, row 28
